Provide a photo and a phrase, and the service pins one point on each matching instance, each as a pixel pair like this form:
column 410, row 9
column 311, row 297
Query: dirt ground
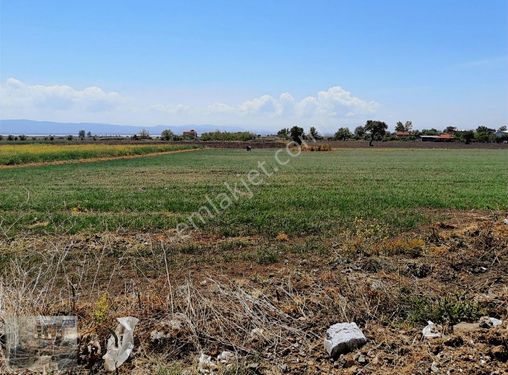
column 270, row 301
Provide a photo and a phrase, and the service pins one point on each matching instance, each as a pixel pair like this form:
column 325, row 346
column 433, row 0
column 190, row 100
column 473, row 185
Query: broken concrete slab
column 343, row 338
column 488, row 322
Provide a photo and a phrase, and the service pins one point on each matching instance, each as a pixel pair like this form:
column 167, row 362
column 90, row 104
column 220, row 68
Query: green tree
column 81, row 134
column 296, row 134
column 484, row 134
column 227, row 136
column 314, row 133
column 399, row 127
column 502, row 128
column 467, row 136
column 404, row 127
column 432, row 131
column 167, row 135
column 144, row 134
column 359, row 132
column 283, row 133
column 89, row 134
column 342, row 134
column 450, row 129
column 408, row 126
column 376, row 129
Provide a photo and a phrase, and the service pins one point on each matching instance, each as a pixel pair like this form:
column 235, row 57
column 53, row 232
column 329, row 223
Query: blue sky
column 257, row 64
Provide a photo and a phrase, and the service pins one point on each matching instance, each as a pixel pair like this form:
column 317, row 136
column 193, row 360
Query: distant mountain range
column 30, row 127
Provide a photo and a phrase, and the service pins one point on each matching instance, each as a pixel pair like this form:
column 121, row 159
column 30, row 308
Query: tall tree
column 342, row 134
column 283, row 133
column 399, row 127
column 314, row 133
column 81, row 134
column 408, row 126
column 376, row 129
column 404, row 127
column 296, row 134
column 359, row 132
column 467, row 136
column 167, row 135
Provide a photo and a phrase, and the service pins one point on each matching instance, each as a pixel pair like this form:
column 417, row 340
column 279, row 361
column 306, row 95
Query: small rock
column 488, row 322
column 505, row 221
column 343, row 338
column 434, row 367
column 206, row 365
column 431, row 331
column 226, row 357
column 361, row 359
column 257, row 334
column 284, row 368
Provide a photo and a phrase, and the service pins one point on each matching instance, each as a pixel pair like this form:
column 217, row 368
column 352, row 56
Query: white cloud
column 334, row 102
column 177, row 109
column 16, row 94
column 65, row 103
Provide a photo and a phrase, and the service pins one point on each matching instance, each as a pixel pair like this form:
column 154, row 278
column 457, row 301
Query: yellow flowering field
column 34, row 153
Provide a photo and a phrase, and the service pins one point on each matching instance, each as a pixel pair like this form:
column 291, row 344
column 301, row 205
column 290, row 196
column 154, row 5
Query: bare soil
column 272, row 312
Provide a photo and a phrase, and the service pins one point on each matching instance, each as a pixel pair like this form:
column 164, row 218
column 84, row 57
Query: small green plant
column 169, row 369
column 267, row 256
column 449, row 309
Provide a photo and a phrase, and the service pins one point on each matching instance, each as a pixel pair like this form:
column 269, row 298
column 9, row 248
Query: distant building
column 444, row 137
column 402, row 134
column 191, row 134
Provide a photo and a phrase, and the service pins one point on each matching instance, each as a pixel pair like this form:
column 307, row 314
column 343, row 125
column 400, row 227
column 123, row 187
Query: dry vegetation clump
column 319, row 147
column 272, row 314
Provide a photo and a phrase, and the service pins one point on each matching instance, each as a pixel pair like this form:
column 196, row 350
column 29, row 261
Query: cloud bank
column 62, row 102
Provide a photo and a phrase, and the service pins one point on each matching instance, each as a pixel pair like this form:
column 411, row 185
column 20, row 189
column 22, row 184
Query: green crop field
column 315, row 193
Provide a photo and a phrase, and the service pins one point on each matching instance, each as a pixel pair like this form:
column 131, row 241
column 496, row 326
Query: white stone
column 226, row 357
column 488, row 322
column 206, row 365
column 343, row 338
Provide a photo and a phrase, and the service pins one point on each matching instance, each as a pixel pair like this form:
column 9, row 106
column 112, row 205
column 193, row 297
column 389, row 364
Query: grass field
column 330, row 237
column 37, row 153
column 315, row 193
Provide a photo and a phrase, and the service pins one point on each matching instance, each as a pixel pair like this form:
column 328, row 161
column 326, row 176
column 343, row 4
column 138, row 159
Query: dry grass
column 271, row 313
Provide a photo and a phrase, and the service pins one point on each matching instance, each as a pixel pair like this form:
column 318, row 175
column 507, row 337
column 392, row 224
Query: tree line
column 374, row 130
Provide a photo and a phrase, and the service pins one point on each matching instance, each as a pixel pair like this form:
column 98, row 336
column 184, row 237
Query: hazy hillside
column 31, row 127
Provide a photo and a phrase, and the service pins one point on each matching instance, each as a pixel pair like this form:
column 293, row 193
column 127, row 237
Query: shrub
column 227, row 136
column 323, row 147
column 448, row 309
column 267, row 256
